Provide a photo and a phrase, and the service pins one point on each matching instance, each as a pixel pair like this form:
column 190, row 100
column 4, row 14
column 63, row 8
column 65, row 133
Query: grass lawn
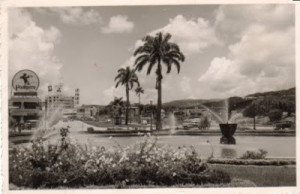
column 261, row 175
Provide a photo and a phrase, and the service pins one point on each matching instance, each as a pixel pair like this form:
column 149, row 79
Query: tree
column 139, row 90
column 275, row 114
column 204, row 123
column 157, row 50
column 116, row 109
column 127, row 77
column 251, row 112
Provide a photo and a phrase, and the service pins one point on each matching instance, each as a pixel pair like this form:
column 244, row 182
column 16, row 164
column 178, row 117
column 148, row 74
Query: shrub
column 90, row 129
column 204, row 123
column 275, row 114
column 261, row 154
column 143, row 163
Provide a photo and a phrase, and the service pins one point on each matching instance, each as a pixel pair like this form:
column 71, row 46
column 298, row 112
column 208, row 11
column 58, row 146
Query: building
column 57, row 102
column 25, row 107
column 89, row 111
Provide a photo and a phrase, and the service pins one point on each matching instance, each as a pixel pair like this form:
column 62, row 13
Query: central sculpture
column 228, row 129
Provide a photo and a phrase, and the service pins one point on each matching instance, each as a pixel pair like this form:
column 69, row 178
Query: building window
column 17, row 104
column 30, row 105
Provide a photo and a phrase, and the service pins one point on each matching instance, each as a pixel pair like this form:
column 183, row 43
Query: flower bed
column 71, row 165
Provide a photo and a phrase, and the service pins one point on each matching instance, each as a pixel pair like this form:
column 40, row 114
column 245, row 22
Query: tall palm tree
column 157, row 50
column 127, row 77
column 138, row 91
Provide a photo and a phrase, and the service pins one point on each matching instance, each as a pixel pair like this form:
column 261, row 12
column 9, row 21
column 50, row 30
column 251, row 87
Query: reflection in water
column 228, row 153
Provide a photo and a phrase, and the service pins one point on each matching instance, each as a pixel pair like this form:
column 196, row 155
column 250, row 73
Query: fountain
column 227, row 128
column 46, row 122
column 171, row 122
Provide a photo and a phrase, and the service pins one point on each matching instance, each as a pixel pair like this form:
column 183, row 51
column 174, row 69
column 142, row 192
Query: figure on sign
column 25, row 79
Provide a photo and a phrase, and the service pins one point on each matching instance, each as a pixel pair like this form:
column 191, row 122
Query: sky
column 230, row 50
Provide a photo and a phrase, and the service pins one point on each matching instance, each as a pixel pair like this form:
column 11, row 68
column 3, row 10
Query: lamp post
column 151, row 115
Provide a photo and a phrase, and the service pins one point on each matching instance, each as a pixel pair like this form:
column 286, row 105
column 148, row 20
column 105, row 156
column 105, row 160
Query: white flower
column 174, row 173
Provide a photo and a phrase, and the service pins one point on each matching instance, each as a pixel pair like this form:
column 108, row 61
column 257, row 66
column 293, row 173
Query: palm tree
column 127, row 77
column 157, row 50
column 138, row 91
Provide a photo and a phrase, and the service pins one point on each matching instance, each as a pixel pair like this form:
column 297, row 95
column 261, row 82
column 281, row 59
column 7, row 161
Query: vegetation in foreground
column 69, row 165
column 261, row 175
column 260, row 154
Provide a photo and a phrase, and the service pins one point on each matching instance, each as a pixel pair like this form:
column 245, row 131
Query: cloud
column 186, row 87
column 185, row 84
column 234, row 20
column 111, row 93
column 31, row 47
column 118, row 24
column 261, row 59
column 77, row 15
column 192, row 35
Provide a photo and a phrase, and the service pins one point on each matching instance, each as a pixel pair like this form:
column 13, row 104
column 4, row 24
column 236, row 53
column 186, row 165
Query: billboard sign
column 25, row 81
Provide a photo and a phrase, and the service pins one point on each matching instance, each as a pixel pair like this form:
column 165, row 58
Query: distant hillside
column 189, row 102
column 239, row 103
column 280, row 93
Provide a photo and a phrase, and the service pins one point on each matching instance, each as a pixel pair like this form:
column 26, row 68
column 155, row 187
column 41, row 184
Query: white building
column 57, row 102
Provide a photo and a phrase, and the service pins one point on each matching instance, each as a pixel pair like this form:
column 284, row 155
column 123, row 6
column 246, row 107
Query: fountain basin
column 227, row 131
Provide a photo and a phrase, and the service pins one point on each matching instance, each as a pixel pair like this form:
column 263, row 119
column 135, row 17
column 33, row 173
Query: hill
column 274, row 99
column 189, row 102
column 281, row 93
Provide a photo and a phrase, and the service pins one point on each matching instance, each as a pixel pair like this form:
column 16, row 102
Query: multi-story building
column 24, row 104
column 56, row 102
column 25, row 109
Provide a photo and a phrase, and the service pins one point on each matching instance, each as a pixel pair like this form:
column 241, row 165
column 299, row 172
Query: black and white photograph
column 151, row 96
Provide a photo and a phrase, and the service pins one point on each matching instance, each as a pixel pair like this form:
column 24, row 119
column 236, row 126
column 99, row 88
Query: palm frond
column 140, row 64
column 151, row 64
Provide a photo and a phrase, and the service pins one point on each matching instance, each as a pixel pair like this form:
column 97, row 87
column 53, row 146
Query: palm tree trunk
column 140, row 111
column 127, row 104
column 139, row 98
column 159, row 96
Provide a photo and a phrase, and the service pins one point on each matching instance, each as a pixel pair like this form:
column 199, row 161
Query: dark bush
column 90, row 129
column 260, row 154
column 275, row 114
